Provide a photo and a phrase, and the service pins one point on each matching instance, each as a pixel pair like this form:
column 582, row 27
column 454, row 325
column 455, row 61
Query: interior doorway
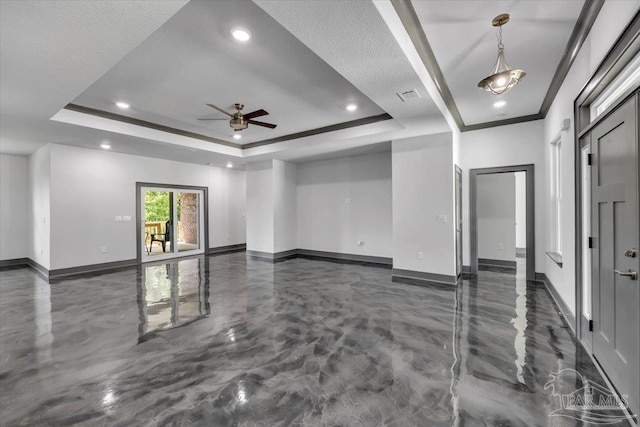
column 171, row 221
column 496, row 220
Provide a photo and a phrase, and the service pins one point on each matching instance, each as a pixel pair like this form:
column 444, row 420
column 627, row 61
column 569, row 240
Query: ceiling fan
column 240, row 121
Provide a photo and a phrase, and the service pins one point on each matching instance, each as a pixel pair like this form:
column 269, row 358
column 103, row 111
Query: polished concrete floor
column 225, row 341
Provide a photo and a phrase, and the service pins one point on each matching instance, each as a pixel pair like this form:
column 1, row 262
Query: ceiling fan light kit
column 502, row 77
column 239, row 121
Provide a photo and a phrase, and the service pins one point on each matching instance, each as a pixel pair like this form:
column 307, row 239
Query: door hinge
column 591, row 325
column 590, row 243
column 589, row 159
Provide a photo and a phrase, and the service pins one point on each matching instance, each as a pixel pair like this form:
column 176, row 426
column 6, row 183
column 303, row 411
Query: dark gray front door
column 616, row 290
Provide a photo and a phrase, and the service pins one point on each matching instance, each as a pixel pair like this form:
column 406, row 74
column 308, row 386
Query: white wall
column 612, row 19
column 496, row 216
column 90, row 187
column 342, row 201
column 423, row 182
column 260, row 206
column 285, row 206
column 521, row 209
column 517, row 144
column 14, row 207
column 40, row 216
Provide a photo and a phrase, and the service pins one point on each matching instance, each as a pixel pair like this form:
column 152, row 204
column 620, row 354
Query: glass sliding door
column 172, row 221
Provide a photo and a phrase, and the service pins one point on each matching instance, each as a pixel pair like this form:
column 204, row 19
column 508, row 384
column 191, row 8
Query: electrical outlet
column 500, row 246
column 420, row 255
column 103, row 249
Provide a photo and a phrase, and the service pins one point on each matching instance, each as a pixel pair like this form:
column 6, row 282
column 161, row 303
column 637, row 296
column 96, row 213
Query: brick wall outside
column 188, row 218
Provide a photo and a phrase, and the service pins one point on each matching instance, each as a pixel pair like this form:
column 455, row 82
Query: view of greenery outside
column 156, row 206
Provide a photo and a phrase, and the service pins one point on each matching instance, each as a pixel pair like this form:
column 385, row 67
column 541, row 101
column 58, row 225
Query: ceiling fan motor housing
column 238, row 123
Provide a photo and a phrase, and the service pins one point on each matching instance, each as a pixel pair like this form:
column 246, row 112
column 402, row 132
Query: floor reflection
column 300, row 342
column 171, row 295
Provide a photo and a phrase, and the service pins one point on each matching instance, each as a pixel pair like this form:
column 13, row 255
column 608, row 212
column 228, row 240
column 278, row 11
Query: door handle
column 631, row 253
column 631, row 274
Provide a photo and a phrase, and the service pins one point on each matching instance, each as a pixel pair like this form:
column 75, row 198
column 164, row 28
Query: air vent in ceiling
column 408, row 95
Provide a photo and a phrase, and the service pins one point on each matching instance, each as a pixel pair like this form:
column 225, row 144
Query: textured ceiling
column 52, row 50
column 465, row 46
column 193, row 60
column 305, row 62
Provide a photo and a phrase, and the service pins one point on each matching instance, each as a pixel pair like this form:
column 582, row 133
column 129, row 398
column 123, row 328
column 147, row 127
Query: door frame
column 530, row 226
column 626, row 47
column 458, row 219
column 140, row 215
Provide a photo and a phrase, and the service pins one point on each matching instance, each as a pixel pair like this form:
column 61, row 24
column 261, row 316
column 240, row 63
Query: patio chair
column 163, row 238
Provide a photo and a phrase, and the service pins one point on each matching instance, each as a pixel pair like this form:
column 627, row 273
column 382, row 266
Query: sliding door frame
column 140, row 213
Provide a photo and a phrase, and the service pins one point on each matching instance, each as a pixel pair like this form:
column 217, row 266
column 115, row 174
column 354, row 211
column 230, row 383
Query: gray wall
column 14, row 207
column 521, row 209
column 423, row 204
column 343, row 201
column 90, row 187
column 496, row 215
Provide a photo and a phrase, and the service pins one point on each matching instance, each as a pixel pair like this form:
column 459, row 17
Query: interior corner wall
column 345, row 201
column 496, row 216
column 423, row 182
column 14, row 207
column 40, row 203
column 612, row 20
column 517, row 144
column 90, row 187
column 285, row 206
column 260, row 207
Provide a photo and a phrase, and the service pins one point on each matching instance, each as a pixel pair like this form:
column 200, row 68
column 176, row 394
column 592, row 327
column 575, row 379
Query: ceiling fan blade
column 263, row 124
column 220, row 109
column 256, row 113
column 214, row 119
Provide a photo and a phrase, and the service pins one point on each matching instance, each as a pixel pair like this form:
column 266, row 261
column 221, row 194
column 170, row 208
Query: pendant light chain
column 500, row 45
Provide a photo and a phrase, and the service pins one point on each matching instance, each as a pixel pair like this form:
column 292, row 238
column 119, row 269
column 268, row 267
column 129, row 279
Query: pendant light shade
column 502, row 77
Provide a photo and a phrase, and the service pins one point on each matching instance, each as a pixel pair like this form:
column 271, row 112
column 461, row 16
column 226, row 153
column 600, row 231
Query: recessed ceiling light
column 352, row 107
column 229, row 164
column 237, row 135
column 105, row 146
column 122, row 105
column 241, row 34
column 499, row 104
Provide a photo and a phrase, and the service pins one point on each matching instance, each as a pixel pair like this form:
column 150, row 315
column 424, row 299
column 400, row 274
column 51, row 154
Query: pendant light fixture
column 502, row 77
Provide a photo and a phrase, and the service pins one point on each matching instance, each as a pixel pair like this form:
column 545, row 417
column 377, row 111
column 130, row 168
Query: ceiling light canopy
column 241, row 34
column 502, row 77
